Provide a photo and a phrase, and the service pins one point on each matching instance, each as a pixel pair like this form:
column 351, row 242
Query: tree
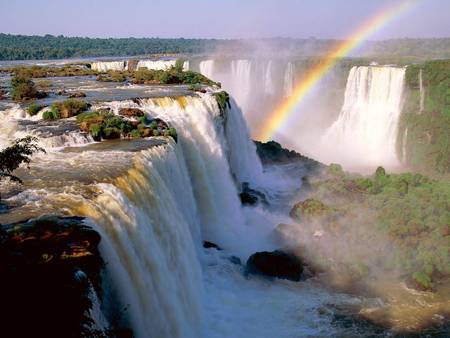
column 16, row 154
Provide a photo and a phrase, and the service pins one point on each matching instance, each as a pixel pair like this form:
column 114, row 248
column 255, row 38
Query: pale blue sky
column 219, row 19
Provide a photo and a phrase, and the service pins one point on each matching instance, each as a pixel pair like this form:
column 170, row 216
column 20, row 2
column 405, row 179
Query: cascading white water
column 243, row 159
column 104, row 66
column 207, row 68
column 269, row 86
column 422, row 92
column 404, row 146
column 160, row 64
column 288, row 85
column 149, row 226
column 241, row 81
column 199, row 125
column 365, row 132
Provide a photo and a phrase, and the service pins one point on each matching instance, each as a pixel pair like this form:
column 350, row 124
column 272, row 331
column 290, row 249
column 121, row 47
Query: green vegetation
column 52, row 114
column 223, row 100
column 106, row 125
column 34, row 108
column 46, row 71
column 174, row 75
column 65, row 109
column 112, row 76
column 410, row 211
column 18, row 153
column 23, row 88
column 21, row 47
column 428, row 138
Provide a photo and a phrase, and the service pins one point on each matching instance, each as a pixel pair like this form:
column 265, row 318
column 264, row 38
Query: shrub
column 19, row 152
column 70, row 107
column 96, row 131
column 52, row 114
column 135, row 133
column 173, row 132
column 34, row 108
column 23, row 88
column 223, row 100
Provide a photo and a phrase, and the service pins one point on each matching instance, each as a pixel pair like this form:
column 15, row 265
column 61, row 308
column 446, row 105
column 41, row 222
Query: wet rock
column 272, row 153
column 131, row 112
column 2, row 94
column 211, row 245
column 49, row 267
column 62, row 92
column 275, row 264
column 77, row 94
column 250, row 196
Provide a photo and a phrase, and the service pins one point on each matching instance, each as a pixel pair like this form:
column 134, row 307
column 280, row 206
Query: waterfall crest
column 366, row 129
column 104, row 66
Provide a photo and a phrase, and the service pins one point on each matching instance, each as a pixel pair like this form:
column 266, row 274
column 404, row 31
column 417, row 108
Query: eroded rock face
column 275, row 264
column 48, row 268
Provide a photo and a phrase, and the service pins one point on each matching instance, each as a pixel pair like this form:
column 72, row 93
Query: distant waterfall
column 207, row 68
column 366, row 129
column 160, row 64
column 241, row 81
column 269, row 86
column 404, row 147
column 104, row 66
column 422, row 92
column 288, row 86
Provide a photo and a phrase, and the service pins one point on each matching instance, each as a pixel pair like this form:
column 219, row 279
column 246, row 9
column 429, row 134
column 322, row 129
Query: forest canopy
column 22, row 47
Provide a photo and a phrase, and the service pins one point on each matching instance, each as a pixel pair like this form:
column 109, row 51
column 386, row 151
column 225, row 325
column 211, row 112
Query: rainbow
column 340, row 50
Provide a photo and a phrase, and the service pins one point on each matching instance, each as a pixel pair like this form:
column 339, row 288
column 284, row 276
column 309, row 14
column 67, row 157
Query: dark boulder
column 49, row 266
column 62, row 92
column 275, row 264
column 251, row 196
column 211, row 245
column 131, row 112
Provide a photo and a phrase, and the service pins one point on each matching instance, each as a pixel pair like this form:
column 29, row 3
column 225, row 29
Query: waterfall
column 148, row 222
column 104, row 66
column 243, row 159
column 207, row 68
column 288, row 86
column 422, row 92
column 269, row 87
column 365, row 132
column 404, row 147
column 160, row 64
column 241, row 81
column 207, row 145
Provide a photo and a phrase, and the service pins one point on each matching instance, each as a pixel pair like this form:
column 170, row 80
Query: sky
column 217, row 19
